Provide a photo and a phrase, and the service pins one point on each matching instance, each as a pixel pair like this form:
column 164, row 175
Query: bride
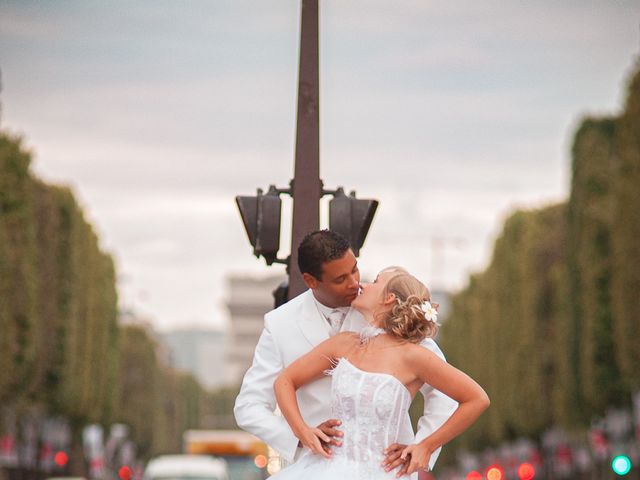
column 375, row 375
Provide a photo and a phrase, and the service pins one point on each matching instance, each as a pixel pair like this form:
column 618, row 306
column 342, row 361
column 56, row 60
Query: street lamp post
column 260, row 214
column 307, row 187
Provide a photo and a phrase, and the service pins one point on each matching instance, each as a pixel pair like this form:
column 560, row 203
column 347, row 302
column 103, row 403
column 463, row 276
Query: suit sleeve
column 437, row 407
column 255, row 405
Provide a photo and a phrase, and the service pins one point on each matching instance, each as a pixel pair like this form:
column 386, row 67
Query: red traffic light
column 61, row 459
column 124, row 473
column 526, row 471
column 495, row 473
column 474, row 475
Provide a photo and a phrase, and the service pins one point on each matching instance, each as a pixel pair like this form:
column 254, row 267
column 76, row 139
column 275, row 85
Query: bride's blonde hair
column 407, row 319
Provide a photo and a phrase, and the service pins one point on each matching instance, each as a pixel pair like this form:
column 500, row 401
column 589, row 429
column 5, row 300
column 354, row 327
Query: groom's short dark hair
column 318, row 248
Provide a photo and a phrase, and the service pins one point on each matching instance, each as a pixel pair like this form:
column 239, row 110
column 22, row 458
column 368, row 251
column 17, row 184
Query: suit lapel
column 312, row 324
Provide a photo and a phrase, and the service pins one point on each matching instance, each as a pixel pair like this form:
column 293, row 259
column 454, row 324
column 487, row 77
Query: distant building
column 249, row 299
column 199, row 351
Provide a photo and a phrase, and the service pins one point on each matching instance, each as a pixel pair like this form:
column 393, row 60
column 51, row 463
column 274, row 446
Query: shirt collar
column 326, row 311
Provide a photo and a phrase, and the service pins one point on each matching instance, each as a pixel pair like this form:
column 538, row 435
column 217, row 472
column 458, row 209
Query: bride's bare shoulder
column 417, row 353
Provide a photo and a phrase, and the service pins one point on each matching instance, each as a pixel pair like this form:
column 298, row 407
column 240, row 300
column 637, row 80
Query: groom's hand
column 328, row 427
column 393, row 459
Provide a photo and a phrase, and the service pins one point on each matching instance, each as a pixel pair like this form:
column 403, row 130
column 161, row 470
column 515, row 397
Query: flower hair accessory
column 430, row 311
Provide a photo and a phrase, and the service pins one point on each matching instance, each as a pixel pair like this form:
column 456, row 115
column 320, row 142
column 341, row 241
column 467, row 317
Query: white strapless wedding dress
column 372, row 407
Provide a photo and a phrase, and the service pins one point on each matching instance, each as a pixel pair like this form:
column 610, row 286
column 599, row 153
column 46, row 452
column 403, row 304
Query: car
column 186, row 467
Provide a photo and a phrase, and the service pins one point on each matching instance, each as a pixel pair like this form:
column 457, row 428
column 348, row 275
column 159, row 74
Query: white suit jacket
column 290, row 331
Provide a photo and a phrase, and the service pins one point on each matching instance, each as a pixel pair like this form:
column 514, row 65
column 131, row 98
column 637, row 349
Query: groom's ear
column 310, row 280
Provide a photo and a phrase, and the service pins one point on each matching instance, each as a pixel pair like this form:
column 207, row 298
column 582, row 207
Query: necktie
column 335, row 320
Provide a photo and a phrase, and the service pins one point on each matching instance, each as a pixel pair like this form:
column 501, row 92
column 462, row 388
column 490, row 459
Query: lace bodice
column 372, row 407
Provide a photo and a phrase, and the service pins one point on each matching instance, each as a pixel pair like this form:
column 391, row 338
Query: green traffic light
column 621, row 465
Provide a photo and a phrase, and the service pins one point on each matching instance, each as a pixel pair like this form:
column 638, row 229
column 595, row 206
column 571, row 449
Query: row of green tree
column 551, row 328
column 62, row 349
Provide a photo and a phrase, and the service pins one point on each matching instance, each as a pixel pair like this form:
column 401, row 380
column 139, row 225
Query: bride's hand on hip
column 417, row 457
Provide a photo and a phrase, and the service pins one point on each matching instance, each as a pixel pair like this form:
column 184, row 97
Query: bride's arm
column 471, row 397
column 306, row 369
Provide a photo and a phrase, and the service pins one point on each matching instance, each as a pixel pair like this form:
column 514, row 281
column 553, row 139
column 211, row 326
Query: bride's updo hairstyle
column 407, row 319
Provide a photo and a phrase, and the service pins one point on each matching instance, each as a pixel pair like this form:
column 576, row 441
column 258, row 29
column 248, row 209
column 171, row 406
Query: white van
column 186, row 467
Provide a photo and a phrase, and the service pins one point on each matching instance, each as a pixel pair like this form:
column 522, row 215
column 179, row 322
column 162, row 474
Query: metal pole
column 307, row 188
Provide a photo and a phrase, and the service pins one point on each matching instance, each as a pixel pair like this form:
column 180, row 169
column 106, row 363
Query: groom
column 330, row 270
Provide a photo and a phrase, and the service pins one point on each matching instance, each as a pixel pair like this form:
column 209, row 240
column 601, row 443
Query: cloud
column 158, row 115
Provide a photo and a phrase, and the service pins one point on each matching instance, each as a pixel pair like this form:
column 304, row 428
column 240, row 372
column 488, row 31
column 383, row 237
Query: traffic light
column 261, row 219
column 621, row 465
column 61, row 459
column 526, row 471
column 125, row 473
column 474, row 475
column 351, row 217
column 495, row 472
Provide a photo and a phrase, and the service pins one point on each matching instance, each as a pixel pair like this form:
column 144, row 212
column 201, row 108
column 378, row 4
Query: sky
column 158, row 113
